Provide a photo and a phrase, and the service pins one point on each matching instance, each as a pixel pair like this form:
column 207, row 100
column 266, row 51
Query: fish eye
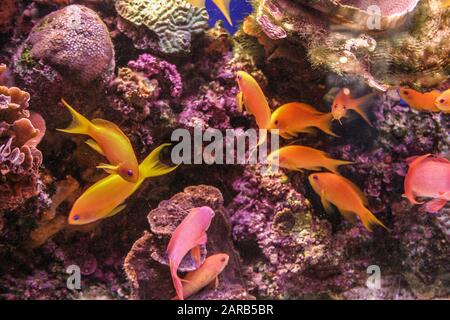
column 130, row 173
column 239, row 77
column 76, row 217
column 441, row 100
column 316, row 178
column 276, row 122
column 405, row 92
column 223, row 260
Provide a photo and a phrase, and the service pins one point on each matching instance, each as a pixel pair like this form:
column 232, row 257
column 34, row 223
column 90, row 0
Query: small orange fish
column 252, row 97
column 106, row 197
column 109, row 140
column 344, row 102
column 443, row 101
column 298, row 158
column 188, row 236
column 207, row 273
column 428, row 177
column 346, row 196
column 420, row 101
column 293, row 118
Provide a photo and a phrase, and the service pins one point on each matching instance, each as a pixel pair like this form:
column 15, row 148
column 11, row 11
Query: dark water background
column 239, row 9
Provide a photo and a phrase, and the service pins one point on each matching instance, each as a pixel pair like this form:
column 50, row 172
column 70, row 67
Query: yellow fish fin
column 324, row 123
column 94, row 145
column 152, row 167
column 197, row 3
column 109, row 168
column 116, row 211
column 325, row 203
column 348, row 215
column 368, row 219
column 110, row 126
column 307, row 130
column 333, row 165
column 79, row 125
column 240, row 101
column 224, row 7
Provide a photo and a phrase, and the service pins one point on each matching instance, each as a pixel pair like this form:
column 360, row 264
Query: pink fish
column 428, row 177
column 188, row 236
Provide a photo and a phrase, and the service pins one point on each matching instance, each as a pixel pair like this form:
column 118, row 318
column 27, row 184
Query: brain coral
column 73, row 40
column 174, row 22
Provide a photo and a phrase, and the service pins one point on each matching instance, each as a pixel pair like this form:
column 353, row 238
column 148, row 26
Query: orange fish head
column 338, row 111
column 221, row 261
column 443, row 103
column 315, row 181
column 240, row 78
column 81, row 218
column 406, row 94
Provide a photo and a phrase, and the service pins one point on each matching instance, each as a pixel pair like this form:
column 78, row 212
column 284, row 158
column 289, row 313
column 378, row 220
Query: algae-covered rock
column 409, row 45
column 172, row 24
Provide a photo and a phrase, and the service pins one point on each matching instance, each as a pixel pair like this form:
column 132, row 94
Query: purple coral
column 152, row 67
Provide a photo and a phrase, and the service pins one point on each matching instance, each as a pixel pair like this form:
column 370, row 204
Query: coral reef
column 146, row 264
column 382, row 59
column 172, row 24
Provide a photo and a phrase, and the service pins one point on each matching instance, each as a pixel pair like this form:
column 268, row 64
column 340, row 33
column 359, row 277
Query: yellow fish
column 223, row 5
column 109, row 140
column 252, row 97
column 420, row 101
column 106, row 197
column 295, row 117
column 298, row 158
column 443, row 101
column 346, row 196
column 344, row 102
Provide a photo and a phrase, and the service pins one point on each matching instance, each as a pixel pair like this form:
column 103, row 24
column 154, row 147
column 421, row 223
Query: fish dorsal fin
column 304, row 106
column 361, row 194
column 109, row 125
column 94, row 145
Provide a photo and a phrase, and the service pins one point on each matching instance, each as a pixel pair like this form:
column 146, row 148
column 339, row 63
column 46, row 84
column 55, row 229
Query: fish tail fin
column 325, row 122
column 176, row 280
column 80, row 124
column 152, row 167
column 362, row 109
column 224, row 7
column 369, row 220
column 334, row 165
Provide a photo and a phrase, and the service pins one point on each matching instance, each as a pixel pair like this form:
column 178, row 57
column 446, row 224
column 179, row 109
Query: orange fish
column 420, row 101
column 252, row 97
column 293, row 118
column 188, row 236
column 207, row 273
column 299, row 157
column 344, row 102
column 443, row 101
column 428, row 177
column 346, row 196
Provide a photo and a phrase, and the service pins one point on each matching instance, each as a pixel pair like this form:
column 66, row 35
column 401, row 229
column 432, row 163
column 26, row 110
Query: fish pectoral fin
column 94, row 145
column 196, row 255
column 326, row 204
column 434, row 205
column 308, row 130
column 348, row 215
column 240, row 101
column 109, row 168
column 116, row 211
column 202, row 240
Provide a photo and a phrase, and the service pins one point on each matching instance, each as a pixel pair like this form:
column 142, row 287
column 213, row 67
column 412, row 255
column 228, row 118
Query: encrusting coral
column 172, row 24
column 20, row 160
column 393, row 57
